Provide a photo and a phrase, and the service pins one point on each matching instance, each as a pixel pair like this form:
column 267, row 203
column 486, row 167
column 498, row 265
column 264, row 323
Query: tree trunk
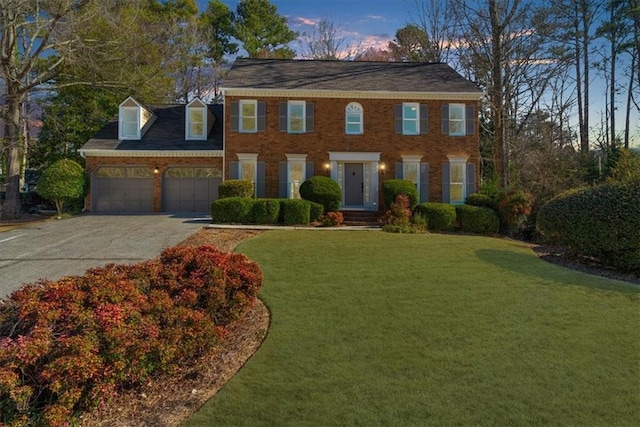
column 584, row 130
column 497, row 101
column 11, row 206
column 627, row 122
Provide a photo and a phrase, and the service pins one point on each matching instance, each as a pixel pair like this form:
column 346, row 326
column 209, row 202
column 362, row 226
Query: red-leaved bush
column 69, row 345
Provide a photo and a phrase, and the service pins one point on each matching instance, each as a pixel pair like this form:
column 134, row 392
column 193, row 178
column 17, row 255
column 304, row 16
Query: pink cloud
column 304, row 21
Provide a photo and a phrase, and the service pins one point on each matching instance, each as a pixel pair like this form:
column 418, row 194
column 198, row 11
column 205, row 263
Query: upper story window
column 196, row 120
column 297, row 116
column 248, row 116
column 132, row 118
column 353, row 119
column 411, row 118
column 458, row 119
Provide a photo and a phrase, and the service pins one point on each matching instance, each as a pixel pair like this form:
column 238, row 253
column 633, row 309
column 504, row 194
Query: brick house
column 286, row 120
column 358, row 122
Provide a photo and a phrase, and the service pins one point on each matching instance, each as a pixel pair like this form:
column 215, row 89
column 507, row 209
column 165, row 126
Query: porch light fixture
column 382, row 168
column 327, row 166
column 156, row 169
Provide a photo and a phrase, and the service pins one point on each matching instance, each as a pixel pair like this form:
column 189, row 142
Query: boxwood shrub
column 601, row 222
column 476, row 219
column 482, row 200
column 316, row 211
column 235, row 188
column 295, row 211
column 265, row 211
column 323, row 190
column 392, row 188
column 440, row 216
column 232, row 209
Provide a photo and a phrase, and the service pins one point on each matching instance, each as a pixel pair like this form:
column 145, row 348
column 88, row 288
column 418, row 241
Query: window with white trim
column 410, row 118
column 247, row 168
column 196, row 123
column 457, row 124
column 129, row 123
column 248, row 116
column 457, row 179
column 353, row 119
column 296, row 172
column 296, row 117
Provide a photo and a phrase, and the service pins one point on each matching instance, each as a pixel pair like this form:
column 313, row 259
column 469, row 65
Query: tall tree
column 410, row 45
column 263, row 32
column 373, row 54
column 326, row 41
column 435, row 19
column 505, row 47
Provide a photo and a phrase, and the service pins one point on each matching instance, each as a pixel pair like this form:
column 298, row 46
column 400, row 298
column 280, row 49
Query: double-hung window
column 353, row 119
column 248, row 116
column 196, row 123
column 296, row 117
column 410, row 118
column 130, row 126
column 457, row 124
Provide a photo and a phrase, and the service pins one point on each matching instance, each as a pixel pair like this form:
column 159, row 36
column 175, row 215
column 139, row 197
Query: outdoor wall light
column 382, row 168
column 327, row 166
column 156, row 169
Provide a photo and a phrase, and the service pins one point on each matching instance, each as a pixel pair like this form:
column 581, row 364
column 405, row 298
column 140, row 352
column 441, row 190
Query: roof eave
column 351, row 94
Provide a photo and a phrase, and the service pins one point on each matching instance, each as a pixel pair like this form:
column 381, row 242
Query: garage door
column 123, row 189
column 190, row 189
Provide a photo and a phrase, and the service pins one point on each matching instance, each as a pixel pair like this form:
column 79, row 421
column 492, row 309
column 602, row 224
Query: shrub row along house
column 286, row 120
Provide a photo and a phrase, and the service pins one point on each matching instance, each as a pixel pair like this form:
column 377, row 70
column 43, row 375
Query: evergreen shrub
column 265, row 211
column 295, row 211
column 476, row 219
column 232, row 210
column 439, row 216
column 323, row 190
column 392, row 188
column 236, row 188
column 601, row 222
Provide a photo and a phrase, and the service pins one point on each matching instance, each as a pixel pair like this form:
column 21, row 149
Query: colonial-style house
column 283, row 121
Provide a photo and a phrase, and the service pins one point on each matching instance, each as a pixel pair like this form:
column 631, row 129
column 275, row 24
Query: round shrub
column 439, row 216
column 235, row 188
column 295, row 211
column 232, row 209
column 481, row 200
column 323, row 190
column 265, row 211
column 392, row 188
column 64, row 180
column 513, row 208
column 601, row 222
column 476, row 219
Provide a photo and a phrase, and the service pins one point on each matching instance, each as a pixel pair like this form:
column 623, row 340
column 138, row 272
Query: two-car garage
column 136, row 189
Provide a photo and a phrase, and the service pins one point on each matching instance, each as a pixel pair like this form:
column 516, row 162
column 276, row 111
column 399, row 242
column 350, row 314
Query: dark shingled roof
column 166, row 133
column 347, row 76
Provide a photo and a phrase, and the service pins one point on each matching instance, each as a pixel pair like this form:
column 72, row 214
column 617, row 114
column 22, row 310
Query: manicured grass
column 373, row 328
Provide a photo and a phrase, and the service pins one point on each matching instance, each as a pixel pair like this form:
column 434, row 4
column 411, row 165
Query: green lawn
column 371, row 328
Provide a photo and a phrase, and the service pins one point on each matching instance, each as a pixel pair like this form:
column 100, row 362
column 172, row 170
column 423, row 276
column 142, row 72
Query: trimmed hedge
column 323, row 190
column 67, row 346
column 235, row 188
column 601, row 222
column 232, row 209
column 295, row 211
column 316, row 211
column 392, row 188
column 265, row 211
column 440, row 216
column 481, row 200
column 476, row 219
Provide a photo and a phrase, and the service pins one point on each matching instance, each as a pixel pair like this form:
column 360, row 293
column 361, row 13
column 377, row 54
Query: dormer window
column 197, row 120
column 134, row 119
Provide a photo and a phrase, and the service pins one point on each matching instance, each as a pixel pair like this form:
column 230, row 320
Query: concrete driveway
column 55, row 249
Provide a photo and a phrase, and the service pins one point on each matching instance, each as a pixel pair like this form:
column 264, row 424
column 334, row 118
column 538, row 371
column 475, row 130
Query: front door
column 353, row 184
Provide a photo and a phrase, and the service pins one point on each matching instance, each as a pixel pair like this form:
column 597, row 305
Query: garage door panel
column 190, row 189
column 120, row 189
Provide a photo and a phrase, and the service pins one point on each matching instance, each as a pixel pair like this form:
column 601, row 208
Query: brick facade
column 329, row 135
